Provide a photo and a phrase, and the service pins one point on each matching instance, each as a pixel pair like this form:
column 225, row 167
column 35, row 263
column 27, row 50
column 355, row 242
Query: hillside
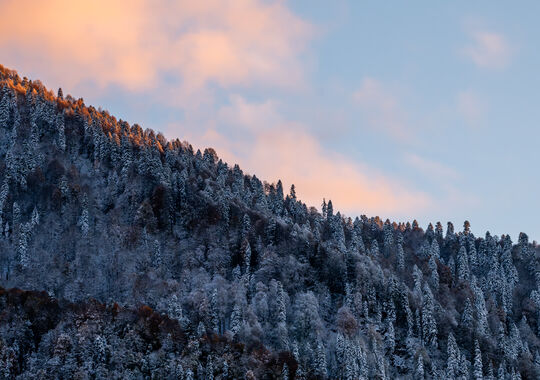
column 156, row 259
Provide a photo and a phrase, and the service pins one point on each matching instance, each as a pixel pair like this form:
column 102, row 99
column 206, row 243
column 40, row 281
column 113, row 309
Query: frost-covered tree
column 477, row 368
column 429, row 325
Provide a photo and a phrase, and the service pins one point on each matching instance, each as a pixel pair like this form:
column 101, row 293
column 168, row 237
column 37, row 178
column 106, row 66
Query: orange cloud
column 284, row 150
column 135, row 43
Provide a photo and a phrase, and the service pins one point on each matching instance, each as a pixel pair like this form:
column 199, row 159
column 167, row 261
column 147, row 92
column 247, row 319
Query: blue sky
column 425, row 110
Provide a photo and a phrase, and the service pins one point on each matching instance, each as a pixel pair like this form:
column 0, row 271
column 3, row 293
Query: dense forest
column 127, row 256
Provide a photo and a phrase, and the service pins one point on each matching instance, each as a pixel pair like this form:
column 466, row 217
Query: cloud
column 141, row 44
column 281, row 149
column 472, row 107
column 488, row 50
column 382, row 109
column 251, row 116
column 431, row 168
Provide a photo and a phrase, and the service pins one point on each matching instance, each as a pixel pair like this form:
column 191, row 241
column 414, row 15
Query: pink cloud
column 489, row 50
column 431, row 168
column 472, row 107
column 382, row 109
column 134, row 43
column 280, row 149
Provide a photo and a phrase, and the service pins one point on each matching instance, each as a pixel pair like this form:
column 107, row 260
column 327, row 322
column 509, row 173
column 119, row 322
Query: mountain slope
column 93, row 207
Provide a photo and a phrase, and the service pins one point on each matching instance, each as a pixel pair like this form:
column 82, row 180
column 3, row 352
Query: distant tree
column 450, row 231
column 329, row 210
column 466, row 227
column 293, row 192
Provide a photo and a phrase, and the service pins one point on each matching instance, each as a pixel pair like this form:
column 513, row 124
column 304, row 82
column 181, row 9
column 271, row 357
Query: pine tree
column 466, row 227
column 400, row 258
column 467, row 318
column 246, row 256
column 225, row 370
column 489, row 375
column 22, row 249
column 236, row 319
column 463, row 271
column 429, row 325
column 501, row 373
column 61, row 131
column 16, row 215
column 35, row 217
column 84, row 222
column 477, row 369
column 329, row 210
column 419, row 371
column 201, row 329
column 439, row 231
column 434, row 275
column 388, row 238
column 452, row 363
column 293, row 192
column 214, row 312
column 174, row 309
column 5, row 106
column 480, row 309
column 4, row 191
column 285, row 372
column 374, row 248
column 417, row 277
column 390, row 337
column 157, row 254
column 320, row 360
column 434, row 249
column 209, row 371
column 450, row 235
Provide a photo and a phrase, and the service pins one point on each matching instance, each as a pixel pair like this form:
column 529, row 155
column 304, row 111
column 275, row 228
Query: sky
column 419, row 110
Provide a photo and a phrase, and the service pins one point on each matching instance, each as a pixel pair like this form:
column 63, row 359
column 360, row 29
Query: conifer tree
column 400, row 258
column 236, row 319
column 480, row 308
column 35, row 217
column 419, row 368
column 429, row 325
column 320, row 360
column 61, row 131
column 467, row 318
column 434, row 275
column 463, row 265
column 285, row 372
column 214, row 312
column 452, row 363
column 477, row 369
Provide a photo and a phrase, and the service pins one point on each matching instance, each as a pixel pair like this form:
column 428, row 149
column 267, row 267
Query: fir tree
column 400, row 258
column 419, row 371
column 429, row 325
column 477, row 369
column 320, row 361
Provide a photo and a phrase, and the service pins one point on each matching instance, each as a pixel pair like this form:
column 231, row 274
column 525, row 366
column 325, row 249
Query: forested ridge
column 141, row 258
